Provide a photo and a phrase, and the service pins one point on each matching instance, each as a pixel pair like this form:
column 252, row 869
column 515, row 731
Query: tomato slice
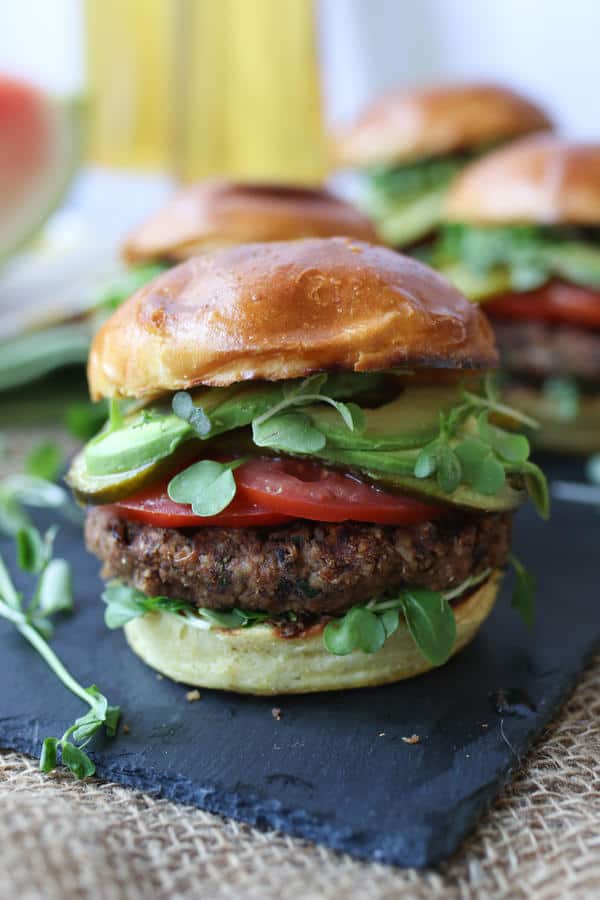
column 273, row 491
column 308, row 490
column 556, row 302
column 154, row 507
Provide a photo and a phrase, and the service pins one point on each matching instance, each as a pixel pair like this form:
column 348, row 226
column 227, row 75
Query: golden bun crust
column 543, row 179
column 410, row 124
column 256, row 661
column 283, row 310
column 218, row 213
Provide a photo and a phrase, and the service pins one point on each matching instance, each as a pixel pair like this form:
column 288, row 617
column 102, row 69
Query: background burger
column 411, row 143
column 310, row 490
column 219, row 212
column 525, row 237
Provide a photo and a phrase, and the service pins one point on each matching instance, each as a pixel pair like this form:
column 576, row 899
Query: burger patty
column 305, row 566
column 541, row 349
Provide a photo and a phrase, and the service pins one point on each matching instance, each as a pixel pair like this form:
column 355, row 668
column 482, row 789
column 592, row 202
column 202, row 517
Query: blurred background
column 146, row 93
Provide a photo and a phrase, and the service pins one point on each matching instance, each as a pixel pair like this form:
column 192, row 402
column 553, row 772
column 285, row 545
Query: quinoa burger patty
column 304, row 567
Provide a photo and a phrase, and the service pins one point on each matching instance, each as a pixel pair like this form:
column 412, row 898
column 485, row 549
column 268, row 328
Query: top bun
column 544, row 180
column 412, row 124
column 284, row 310
column 218, row 213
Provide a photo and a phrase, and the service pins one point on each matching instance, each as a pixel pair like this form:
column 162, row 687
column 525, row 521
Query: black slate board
column 334, row 769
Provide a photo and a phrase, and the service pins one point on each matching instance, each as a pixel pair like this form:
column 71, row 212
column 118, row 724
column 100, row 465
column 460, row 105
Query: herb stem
column 504, row 410
column 45, row 651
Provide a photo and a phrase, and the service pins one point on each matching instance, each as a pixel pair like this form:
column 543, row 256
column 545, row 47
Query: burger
column 409, row 145
column 199, row 218
column 303, row 484
column 218, row 212
column 524, row 236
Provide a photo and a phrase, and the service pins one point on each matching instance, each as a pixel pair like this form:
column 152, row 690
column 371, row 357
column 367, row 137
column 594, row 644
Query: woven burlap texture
column 61, row 840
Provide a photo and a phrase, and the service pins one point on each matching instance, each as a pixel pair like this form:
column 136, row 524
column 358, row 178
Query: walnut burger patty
column 303, row 567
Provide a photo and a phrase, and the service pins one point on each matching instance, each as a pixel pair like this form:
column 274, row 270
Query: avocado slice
column 575, row 261
column 407, row 221
column 476, row 285
column 410, row 420
column 395, row 472
column 138, row 445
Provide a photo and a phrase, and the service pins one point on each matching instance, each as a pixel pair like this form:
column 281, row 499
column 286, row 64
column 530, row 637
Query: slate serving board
column 334, row 768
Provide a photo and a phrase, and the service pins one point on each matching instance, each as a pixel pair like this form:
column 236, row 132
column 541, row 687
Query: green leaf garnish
column 481, row 469
column 292, row 432
column 44, row 461
column 125, row 603
column 523, row 598
column 358, row 629
column 51, row 595
column 84, row 420
column 115, row 415
column 183, row 407
column 207, row 485
column 562, row 396
column 431, row 623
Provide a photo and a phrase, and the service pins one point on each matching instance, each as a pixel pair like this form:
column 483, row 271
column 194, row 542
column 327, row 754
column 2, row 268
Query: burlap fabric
column 60, row 839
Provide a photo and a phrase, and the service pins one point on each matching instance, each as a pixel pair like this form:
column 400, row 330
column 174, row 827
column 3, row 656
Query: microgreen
column 470, row 450
column 125, row 603
column 53, row 594
column 84, row 420
column 115, row 414
column 45, row 461
column 529, row 255
column 428, row 616
column 183, row 406
column 562, row 396
column 524, row 592
column 19, row 491
column 294, row 431
column 207, row 485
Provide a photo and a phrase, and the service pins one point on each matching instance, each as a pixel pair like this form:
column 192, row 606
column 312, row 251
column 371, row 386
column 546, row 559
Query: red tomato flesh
column 273, row 491
column 556, row 302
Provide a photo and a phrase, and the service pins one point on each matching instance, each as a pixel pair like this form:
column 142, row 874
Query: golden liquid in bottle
column 204, row 87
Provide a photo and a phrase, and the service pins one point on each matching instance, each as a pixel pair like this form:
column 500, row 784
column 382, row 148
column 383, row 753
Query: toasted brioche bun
column 283, row 310
column 578, row 436
column 544, row 180
column 256, row 661
column 410, row 124
column 219, row 213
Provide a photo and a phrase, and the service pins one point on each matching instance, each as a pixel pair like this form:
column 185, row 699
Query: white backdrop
column 548, row 48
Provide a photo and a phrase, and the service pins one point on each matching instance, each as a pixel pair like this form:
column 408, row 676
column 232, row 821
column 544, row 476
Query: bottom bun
column 256, row 660
column 577, row 435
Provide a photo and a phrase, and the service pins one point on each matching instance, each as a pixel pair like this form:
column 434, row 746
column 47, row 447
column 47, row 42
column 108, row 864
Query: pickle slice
column 99, row 489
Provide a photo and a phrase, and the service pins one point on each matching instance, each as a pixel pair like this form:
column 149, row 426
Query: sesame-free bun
column 218, row 213
column 257, row 660
column 283, row 310
column 544, row 179
column 411, row 124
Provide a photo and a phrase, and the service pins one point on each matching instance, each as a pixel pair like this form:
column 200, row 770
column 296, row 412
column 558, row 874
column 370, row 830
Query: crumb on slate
column 276, row 713
column 382, row 734
column 192, row 696
column 126, row 728
column 484, row 725
column 413, row 739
